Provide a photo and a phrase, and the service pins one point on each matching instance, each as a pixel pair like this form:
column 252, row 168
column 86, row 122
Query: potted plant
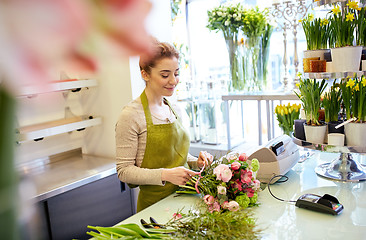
column 229, row 19
column 317, row 35
column 354, row 100
column 331, row 102
column 345, row 56
column 310, row 91
column 286, row 115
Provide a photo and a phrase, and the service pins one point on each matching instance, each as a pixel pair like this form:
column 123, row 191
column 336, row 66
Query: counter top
column 57, row 177
column 281, row 220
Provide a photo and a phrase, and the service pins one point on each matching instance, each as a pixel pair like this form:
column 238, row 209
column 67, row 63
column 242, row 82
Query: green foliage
column 354, row 97
column 316, row 31
column 332, row 103
column 286, row 116
column 200, row 224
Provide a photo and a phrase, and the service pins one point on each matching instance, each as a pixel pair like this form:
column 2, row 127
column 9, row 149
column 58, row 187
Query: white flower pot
column 346, row 59
column 315, row 53
column 355, row 134
column 315, row 134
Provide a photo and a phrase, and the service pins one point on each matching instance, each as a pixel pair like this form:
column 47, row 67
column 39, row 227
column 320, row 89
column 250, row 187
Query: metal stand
column 343, row 169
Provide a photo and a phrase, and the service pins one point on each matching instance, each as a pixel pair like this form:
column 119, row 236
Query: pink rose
column 216, row 207
column 221, row 190
column 233, row 206
column 243, row 157
column 223, row 173
column 249, row 192
column 235, row 165
column 208, row 199
column 246, row 176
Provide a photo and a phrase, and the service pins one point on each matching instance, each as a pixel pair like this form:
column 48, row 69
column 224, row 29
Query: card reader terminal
column 324, row 204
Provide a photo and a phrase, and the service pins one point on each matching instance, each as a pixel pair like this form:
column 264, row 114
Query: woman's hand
column 177, row 175
column 204, row 159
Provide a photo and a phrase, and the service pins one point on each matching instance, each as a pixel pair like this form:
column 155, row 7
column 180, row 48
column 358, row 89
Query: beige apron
column 166, row 147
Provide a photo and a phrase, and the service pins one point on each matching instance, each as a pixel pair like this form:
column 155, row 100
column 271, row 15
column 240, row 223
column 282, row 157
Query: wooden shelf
column 39, row 131
column 333, row 75
column 56, row 86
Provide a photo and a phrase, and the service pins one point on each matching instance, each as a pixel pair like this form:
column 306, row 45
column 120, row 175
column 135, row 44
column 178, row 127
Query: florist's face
column 164, row 77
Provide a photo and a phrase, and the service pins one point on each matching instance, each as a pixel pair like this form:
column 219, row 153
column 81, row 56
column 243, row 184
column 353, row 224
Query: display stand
column 344, row 168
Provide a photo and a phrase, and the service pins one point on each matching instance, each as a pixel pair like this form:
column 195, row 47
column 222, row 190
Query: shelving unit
column 39, row 131
column 325, row 2
column 56, row 86
column 333, row 75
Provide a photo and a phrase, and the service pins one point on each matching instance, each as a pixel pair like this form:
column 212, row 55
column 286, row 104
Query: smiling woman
column 152, row 144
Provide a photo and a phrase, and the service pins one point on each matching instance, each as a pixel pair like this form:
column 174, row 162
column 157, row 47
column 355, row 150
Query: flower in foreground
column 221, row 190
column 336, row 10
column 177, row 216
column 353, row 5
column 246, row 176
column 255, row 165
column 208, row 199
column 235, row 165
column 243, row 157
column 243, row 200
column 363, row 81
column 223, row 173
column 350, row 17
column 233, row 206
column 351, row 83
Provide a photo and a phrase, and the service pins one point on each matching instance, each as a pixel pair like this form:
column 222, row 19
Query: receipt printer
column 277, row 157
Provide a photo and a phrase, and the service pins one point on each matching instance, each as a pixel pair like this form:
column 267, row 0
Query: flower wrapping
column 227, row 184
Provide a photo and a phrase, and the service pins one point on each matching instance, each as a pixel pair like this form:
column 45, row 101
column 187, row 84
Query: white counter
column 282, row 220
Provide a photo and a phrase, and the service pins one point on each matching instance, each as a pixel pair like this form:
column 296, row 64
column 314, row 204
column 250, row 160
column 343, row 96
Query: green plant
column 354, row 97
column 310, row 96
column 361, row 27
column 316, row 31
column 262, row 65
column 286, row 116
column 254, row 25
column 343, row 24
column 332, row 103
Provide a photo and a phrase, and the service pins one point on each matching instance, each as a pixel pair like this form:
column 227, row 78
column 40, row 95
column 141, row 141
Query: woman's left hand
column 204, row 159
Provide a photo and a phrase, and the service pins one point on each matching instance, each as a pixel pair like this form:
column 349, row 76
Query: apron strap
column 145, row 105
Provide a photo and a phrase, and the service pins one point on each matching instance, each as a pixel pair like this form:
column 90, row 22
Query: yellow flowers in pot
column 286, row 115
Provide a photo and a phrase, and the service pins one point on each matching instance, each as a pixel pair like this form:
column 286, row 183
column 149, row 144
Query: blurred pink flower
column 223, row 173
column 233, row 206
column 246, row 176
column 208, row 199
column 243, row 157
column 235, row 165
column 256, row 185
column 216, row 207
column 249, row 192
column 177, row 216
column 225, row 205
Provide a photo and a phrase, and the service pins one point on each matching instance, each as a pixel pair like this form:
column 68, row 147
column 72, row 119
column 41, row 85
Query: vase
column 315, row 134
column 252, row 64
column 236, row 83
column 346, row 59
column 355, row 134
column 207, row 125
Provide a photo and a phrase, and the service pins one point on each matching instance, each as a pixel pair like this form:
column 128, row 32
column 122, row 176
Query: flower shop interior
column 271, row 91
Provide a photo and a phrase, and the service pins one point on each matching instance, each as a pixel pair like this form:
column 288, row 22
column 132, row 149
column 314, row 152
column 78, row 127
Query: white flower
column 227, row 23
column 219, row 13
column 221, row 190
column 230, row 16
column 237, row 19
column 224, row 14
column 235, row 15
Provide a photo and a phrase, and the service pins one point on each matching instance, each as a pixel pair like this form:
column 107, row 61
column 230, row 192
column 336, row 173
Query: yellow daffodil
column 310, row 17
column 324, row 22
column 300, row 21
column 357, row 88
column 353, row 5
column 336, row 10
column 363, row 82
column 350, row 83
column 299, row 74
column 350, row 17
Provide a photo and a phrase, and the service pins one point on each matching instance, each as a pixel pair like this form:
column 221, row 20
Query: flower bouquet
column 286, row 116
column 227, row 184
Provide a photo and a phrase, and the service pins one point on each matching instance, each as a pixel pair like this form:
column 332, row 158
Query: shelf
column 323, row 75
column 39, row 131
column 56, row 86
column 325, row 2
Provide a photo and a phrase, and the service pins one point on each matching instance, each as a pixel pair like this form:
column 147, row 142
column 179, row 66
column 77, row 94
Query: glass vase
column 252, row 67
column 236, row 83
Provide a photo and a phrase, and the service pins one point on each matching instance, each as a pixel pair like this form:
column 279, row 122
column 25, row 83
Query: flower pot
column 336, row 139
column 332, row 129
column 315, row 134
column 299, row 129
column 346, row 59
column 316, row 53
column 355, row 134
